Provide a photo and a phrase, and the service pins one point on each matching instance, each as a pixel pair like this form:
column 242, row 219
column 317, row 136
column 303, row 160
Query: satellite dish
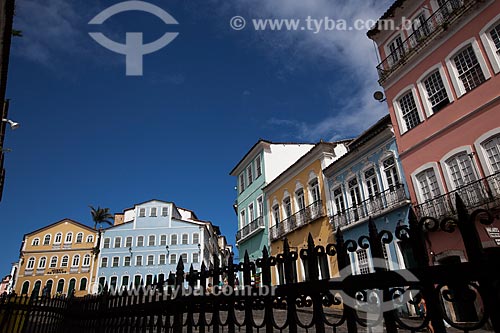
column 379, row 96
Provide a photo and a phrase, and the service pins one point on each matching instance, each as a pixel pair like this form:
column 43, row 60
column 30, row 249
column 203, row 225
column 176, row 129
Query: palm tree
column 100, row 216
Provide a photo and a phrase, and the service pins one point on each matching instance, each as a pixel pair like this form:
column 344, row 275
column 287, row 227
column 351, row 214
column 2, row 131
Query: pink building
column 440, row 71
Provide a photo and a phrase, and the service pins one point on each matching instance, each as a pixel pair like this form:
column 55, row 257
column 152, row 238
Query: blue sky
column 92, row 136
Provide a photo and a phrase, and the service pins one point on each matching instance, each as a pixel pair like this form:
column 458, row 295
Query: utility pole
column 6, row 19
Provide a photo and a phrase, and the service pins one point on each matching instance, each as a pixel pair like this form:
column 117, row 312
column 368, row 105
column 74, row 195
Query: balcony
column 374, row 206
column 444, row 17
column 297, row 220
column 250, row 228
column 482, row 193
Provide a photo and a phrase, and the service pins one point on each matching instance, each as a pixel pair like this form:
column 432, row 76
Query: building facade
column 57, row 260
column 147, row 241
column 260, row 165
column 297, row 208
column 441, row 79
column 367, row 182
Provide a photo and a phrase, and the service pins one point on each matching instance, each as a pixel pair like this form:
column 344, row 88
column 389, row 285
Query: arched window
column 58, row 238
column 184, row 257
column 107, row 241
column 90, row 239
column 173, row 239
column 35, row 242
column 491, row 148
column 173, row 259
column 118, row 242
column 196, row 238
column 69, row 237
column 42, row 262
column 31, row 263
column 46, row 239
column 72, row 284
column 64, row 261
column 79, row 237
column 49, row 287
column 151, row 240
column 53, row 262
column 140, row 241
column 86, row 260
column 60, row 286
column 36, row 288
column 314, row 191
column 163, row 240
column 26, row 287
column 185, row 238
column 83, row 284
column 76, row 260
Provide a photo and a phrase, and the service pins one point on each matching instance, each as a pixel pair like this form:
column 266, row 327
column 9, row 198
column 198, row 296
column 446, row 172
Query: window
column 371, row 183
column 118, row 242
column 184, row 258
column 460, row 170
column 260, row 206
column 314, row 189
column 391, row 172
column 164, row 211
column 31, row 263
column 138, row 261
column 79, row 237
column 185, row 239
column 76, row 260
column 36, row 242
column 196, row 258
column 468, row 68
column 151, row 240
column 90, row 239
column 492, row 151
column 249, row 175
column 420, row 27
column 142, row 212
column 104, row 262
column 338, row 198
column 128, row 242
column 363, row 265
column 53, row 262
column 287, row 206
column 409, row 111
column 428, row 185
column 151, row 260
column 163, row 240
column 107, row 241
column 140, row 241
column 138, row 280
column 251, row 212
column 354, row 192
column 46, row 240
column 173, row 259
column 396, row 50
column 125, row 280
column 435, row 91
column 69, row 237
column 258, row 167
column 276, row 214
column 490, row 37
column 126, row 261
column 58, row 238
column 301, row 204
column 196, row 238
column 243, row 218
column 42, row 262
column 149, row 280
column 242, row 183
column 162, row 260
column 64, row 261
column 116, row 262
column 173, row 239
column 86, row 260
column 83, row 284
column 153, row 212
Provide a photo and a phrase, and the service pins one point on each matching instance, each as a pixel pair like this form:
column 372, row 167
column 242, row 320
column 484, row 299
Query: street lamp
column 168, row 250
column 199, row 248
column 13, row 124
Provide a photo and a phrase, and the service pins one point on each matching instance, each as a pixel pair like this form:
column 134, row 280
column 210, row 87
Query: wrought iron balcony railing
column 483, row 192
column 373, row 206
column 439, row 21
column 250, row 228
column 297, row 220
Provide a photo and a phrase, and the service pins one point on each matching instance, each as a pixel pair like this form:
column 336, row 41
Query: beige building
column 59, row 257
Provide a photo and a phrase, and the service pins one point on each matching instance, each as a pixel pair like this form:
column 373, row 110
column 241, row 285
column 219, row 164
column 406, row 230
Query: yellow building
column 58, row 257
column 297, row 206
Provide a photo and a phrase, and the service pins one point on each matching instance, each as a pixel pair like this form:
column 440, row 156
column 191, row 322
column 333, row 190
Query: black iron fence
column 463, row 295
column 297, row 220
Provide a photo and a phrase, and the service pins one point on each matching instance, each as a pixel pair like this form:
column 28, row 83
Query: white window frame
column 153, row 212
column 416, row 187
column 174, row 257
column 258, row 167
column 58, row 235
column 241, row 182
column 86, row 260
column 137, row 259
column 260, row 206
column 243, row 219
column 450, row 64
column 164, row 211
column 197, row 236
column 481, row 153
column 154, row 240
column 129, row 241
column 423, row 92
column 65, row 261
column 399, row 112
column 249, row 175
column 184, row 239
column 104, row 262
column 35, row 241
column 119, row 240
column 381, row 169
column 90, row 239
column 115, row 262
column 164, row 261
column 137, row 241
column 488, row 44
column 69, row 238
column 150, row 261
column 106, row 240
column 163, row 240
column 444, row 165
column 142, row 212
column 30, row 264
column 48, row 242
column 125, row 261
column 197, row 256
column 387, row 50
column 53, row 264
column 251, row 212
column 176, row 239
column 75, row 261
column 79, row 238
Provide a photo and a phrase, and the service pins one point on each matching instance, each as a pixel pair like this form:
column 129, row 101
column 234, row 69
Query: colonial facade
column 147, row 242
column 260, row 165
column 367, row 182
column 297, row 207
column 441, row 80
column 57, row 259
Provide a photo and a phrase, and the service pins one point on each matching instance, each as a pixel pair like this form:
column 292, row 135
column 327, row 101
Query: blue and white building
column 367, row 182
column 147, row 241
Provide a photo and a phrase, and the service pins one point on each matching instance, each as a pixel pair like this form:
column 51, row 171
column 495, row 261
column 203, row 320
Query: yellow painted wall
column 31, row 250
